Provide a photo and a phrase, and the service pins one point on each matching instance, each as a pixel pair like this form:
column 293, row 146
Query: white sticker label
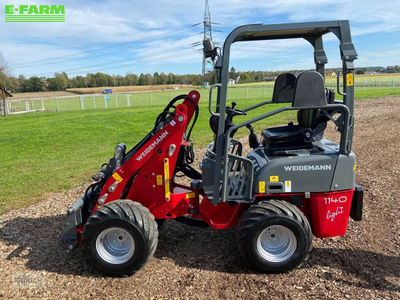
column 288, row 186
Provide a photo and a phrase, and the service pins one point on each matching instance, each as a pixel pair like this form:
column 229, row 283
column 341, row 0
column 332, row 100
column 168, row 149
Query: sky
column 117, row 37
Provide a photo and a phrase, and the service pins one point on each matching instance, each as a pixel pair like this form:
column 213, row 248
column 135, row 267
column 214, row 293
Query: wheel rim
column 276, row 243
column 115, row 245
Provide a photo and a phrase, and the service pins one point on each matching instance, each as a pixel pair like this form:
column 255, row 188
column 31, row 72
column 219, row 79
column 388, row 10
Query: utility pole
column 207, row 34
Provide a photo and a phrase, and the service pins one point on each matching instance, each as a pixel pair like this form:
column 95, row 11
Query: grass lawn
column 45, row 152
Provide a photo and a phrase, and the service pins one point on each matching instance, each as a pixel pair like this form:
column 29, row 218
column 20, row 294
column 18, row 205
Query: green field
column 260, row 90
column 46, row 152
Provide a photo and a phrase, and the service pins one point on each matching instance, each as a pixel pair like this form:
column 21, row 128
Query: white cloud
column 95, row 24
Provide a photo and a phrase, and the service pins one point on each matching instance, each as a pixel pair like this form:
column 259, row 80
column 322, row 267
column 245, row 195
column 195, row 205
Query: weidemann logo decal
column 308, row 168
column 152, row 146
column 34, row 13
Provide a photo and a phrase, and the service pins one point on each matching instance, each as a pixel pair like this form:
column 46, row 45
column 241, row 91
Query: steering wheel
column 232, row 111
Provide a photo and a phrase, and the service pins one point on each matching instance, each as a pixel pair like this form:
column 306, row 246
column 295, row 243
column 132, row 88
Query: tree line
column 61, row 81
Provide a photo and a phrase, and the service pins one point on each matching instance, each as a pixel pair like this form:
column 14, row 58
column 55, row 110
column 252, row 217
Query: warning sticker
column 288, row 186
column 274, row 178
column 159, row 179
column 261, row 187
column 349, row 79
column 190, row 195
column 117, row 177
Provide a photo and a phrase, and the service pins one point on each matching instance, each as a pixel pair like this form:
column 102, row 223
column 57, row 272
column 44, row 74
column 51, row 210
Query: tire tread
column 132, row 212
column 259, row 212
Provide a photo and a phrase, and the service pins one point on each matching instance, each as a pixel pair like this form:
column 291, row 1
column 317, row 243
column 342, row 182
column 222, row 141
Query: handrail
column 338, row 84
column 257, row 105
column 343, row 139
column 210, row 99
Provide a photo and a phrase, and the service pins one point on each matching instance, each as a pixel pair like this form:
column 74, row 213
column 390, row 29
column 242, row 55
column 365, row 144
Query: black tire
column 268, row 223
column 119, row 222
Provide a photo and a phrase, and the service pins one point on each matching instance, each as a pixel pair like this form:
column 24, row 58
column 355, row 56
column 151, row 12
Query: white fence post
column 247, row 92
column 150, row 102
column 128, row 101
column 8, row 106
column 94, row 102
column 82, row 102
column 57, row 108
column 42, row 105
column 26, row 106
column 105, row 101
column 116, row 100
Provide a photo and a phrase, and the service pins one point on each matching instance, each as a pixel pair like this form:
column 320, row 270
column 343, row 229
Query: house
column 231, row 81
column 269, row 78
column 330, row 73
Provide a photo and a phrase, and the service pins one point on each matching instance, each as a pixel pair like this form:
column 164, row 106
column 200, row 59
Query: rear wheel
column 274, row 236
column 120, row 238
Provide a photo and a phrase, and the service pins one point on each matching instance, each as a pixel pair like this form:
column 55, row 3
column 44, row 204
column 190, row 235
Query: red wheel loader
column 293, row 184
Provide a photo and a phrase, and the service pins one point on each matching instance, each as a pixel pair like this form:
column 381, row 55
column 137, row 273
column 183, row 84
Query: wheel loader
column 294, row 183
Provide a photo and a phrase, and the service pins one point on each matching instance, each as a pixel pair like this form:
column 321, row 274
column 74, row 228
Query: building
column 269, row 78
column 330, row 73
column 4, row 94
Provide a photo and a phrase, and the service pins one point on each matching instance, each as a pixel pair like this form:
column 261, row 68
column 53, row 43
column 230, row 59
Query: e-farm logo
column 34, row 13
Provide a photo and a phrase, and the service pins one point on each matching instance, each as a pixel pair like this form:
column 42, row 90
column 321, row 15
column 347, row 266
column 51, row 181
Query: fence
column 91, row 101
column 160, row 98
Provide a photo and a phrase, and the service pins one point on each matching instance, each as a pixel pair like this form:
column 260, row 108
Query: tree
column 35, row 84
column 60, row 81
column 3, row 70
column 148, row 78
column 131, row 79
column 91, row 80
column 142, row 79
column 360, row 71
column 163, row 78
column 393, row 69
column 13, row 84
column 156, row 78
column 81, row 82
column 171, row 78
column 101, row 79
column 232, row 73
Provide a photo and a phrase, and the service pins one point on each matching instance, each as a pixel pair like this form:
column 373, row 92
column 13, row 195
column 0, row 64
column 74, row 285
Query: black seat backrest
column 284, row 88
column 309, row 91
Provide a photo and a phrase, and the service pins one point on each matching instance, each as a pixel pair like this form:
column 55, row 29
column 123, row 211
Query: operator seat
column 284, row 88
column 309, row 90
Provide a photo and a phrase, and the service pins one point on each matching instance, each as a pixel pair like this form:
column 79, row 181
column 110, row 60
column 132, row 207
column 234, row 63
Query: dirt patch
column 204, row 263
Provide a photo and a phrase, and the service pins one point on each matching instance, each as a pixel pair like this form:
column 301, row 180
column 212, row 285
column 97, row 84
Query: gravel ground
column 204, row 263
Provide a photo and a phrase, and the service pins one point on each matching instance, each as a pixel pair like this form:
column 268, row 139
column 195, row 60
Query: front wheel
column 274, row 236
column 120, row 238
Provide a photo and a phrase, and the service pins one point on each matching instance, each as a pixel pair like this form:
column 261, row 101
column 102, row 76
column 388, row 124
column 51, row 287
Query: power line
column 123, row 61
column 33, row 62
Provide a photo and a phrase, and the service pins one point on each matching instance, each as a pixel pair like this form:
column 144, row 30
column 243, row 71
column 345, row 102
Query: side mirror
column 209, row 49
